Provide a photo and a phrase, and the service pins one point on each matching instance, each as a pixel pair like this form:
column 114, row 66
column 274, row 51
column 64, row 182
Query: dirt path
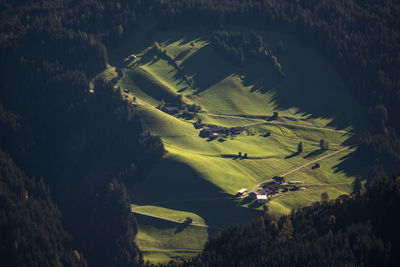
column 260, row 121
column 178, row 222
column 302, row 166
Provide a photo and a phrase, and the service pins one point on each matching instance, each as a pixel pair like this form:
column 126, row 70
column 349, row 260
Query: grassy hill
column 199, row 177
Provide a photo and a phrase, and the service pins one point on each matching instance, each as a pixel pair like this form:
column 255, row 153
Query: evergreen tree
column 324, row 197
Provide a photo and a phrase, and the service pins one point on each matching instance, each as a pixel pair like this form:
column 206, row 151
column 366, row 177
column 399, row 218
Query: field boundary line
column 260, row 121
column 174, row 221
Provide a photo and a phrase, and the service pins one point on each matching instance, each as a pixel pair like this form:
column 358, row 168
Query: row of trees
column 323, row 144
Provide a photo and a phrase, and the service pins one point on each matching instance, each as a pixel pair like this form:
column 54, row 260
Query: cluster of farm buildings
column 268, row 189
column 214, row 131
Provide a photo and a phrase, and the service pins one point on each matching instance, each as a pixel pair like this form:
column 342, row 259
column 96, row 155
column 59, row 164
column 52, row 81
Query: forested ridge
column 87, row 147
column 90, row 149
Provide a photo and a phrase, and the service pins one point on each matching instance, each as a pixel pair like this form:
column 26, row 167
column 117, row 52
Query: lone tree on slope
column 324, row 144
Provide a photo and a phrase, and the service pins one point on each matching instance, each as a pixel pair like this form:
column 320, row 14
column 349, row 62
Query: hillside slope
column 202, row 175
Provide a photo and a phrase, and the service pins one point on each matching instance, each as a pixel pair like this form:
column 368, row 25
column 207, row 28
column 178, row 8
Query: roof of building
column 170, row 109
column 242, row 190
column 262, row 197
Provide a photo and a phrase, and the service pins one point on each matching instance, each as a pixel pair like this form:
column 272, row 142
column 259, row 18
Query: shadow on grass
column 181, row 227
column 352, row 165
column 231, row 156
column 314, row 153
column 246, row 201
column 175, row 185
column 292, row 155
column 255, row 205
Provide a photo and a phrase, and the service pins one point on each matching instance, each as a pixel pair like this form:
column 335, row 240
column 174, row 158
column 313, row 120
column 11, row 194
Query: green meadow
column 199, row 177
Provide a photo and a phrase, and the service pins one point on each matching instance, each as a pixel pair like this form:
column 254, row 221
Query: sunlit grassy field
column 199, row 177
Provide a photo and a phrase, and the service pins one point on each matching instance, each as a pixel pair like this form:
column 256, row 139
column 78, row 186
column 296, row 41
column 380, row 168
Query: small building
column 271, row 188
column 279, row 180
column 213, row 135
column 242, row 191
column 295, row 182
column 237, row 130
column 213, row 131
column 132, row 57
column 262, row 199
column 171, row 110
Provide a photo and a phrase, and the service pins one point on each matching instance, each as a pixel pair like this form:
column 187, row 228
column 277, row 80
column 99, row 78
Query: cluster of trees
column 237, row 46
column 348, row 231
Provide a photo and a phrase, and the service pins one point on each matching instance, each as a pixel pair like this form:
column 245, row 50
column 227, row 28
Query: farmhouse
column 170, row 110
column 271, row 188
column 213, row 131
column 262, row 199
column 242, row 191
column 279, row 180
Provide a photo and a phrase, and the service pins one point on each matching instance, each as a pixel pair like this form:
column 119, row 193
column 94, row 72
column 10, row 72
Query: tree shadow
column 182, row 226
column 182, row 55
column 231, row 156
column 255, row 204
column 199, row 67
column 246, row 200
column 314, row 153
column 292, row 155
column 352, row 165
